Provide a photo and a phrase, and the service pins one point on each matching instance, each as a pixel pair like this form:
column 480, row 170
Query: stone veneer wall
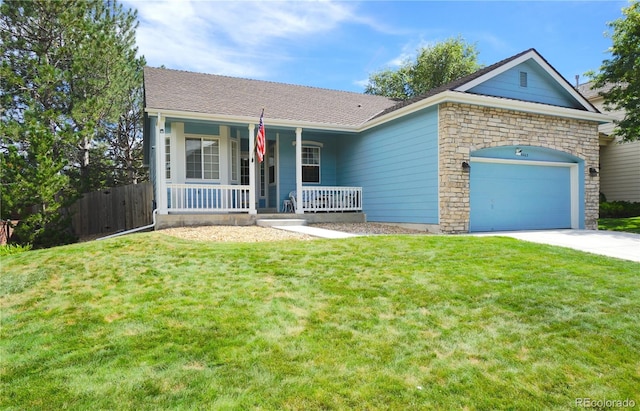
column 464, row 128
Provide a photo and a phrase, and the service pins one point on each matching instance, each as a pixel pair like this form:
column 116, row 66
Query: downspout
column 133, row 230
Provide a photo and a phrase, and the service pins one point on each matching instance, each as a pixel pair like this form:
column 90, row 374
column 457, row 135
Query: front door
column 266, row 180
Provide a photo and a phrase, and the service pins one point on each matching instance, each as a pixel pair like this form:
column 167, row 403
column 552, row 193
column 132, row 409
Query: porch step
column 280, row 222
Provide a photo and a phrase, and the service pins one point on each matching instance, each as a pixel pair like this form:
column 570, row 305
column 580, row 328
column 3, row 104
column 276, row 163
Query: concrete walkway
column 315, row 231
column 616, row 244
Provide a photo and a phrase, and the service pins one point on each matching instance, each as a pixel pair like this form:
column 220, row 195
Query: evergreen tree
column 124, row 138
column 67, row 70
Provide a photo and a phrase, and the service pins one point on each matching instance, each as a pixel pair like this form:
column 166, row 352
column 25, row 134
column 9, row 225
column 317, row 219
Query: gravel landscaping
column 256, row 234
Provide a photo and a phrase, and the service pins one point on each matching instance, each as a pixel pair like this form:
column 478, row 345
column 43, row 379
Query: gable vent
column 523, row 79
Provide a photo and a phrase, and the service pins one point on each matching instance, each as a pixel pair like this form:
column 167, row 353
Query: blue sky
column 337, row 45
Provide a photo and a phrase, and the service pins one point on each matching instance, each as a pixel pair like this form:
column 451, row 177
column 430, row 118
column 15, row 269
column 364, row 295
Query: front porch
column 207, row 167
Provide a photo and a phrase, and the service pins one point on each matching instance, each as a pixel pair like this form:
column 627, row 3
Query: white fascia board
column 444, row 97
column 251, row 120
column 542, row 63
column 536, row 108
column 488, row 101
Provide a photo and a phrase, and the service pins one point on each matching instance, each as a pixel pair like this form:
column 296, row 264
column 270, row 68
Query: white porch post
column 299, row 209
column 252, row 170
column 161, row 168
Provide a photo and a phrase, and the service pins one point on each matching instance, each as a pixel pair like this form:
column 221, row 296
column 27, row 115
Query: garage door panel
column 519, row 197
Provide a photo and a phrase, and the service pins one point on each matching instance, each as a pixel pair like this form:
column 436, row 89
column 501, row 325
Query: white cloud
column 410, row 51
column 233, row 38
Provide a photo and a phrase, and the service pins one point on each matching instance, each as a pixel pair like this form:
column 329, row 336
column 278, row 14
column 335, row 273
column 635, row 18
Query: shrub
column 7, row 249
column 619, row 209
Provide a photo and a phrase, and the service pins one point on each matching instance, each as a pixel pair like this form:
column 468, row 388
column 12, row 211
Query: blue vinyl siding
column 396, row 164
column 287, row 164
column 541, row 87
column 519, row 197
column 287, row 159
column 210, row 129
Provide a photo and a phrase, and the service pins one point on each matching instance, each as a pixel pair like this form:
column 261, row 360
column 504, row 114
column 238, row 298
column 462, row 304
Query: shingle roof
column 237, row 97
column 588, row 92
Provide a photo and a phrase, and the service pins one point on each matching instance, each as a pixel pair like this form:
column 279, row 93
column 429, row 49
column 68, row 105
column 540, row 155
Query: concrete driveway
column 625, row 246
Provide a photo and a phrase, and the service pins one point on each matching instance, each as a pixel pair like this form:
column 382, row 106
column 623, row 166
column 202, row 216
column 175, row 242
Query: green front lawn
column 629, row 225
column 152, row 322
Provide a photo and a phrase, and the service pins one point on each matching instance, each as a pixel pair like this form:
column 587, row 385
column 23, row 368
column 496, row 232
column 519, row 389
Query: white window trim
column 221, row 158
column 168, row 154
column 309, row 143
column 319, row 165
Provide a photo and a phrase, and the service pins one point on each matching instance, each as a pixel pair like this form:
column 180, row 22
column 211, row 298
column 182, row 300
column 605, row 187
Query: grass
column 152, row 322
column 629, row 225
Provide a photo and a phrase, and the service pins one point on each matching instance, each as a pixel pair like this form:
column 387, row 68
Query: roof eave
column 271, row 122
column 443, row 97
column 488, row 101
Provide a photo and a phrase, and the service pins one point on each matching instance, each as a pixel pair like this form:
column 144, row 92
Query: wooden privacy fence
column 113, row 210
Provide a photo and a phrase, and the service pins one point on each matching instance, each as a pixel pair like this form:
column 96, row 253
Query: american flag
column 260, row 139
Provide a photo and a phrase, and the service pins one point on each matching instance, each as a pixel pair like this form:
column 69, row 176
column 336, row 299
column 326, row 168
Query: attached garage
column 507, row 194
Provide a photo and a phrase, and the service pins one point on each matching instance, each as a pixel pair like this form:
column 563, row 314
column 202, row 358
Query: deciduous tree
column 434, row 66
column 622, row 72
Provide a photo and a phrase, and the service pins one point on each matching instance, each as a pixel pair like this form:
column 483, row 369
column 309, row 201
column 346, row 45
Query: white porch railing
column 207, row 198
column 315, row 199
column 235, row 198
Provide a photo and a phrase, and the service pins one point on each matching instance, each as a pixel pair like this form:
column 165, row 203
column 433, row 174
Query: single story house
column 513, row 146
column 619, row 161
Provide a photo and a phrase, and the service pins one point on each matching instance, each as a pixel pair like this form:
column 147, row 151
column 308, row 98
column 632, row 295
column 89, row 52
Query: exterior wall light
column 593, row 171
column 465, row 166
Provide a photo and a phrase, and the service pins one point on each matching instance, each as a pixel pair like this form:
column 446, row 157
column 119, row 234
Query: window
column 310, row 164
column 244, row 169
column 234, row 160
column 523, row 79
column 271, row 160
column 203, row 158
column 167, row 157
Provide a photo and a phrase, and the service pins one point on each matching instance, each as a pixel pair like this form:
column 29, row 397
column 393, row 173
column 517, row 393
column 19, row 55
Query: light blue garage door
column 519, row 197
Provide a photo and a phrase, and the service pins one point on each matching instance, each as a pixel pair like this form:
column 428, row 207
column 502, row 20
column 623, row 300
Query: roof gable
column 543, row 83
column 564, row 92
column 527, row 82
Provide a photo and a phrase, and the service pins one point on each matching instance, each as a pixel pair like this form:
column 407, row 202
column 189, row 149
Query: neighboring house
column 506, row 148
column 619, row 161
